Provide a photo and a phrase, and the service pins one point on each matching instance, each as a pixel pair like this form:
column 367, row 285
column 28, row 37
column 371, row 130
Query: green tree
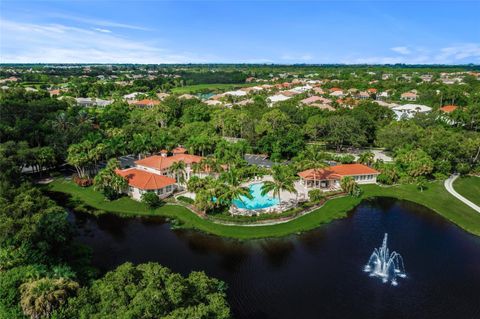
column 178, row 170
column 366, row 158
column 40, row 298
column 349, row 186
column 233, row 188
column 109, row 182
column 151, row 200
column 414, row 162
column 150, row 291
column 283, row 180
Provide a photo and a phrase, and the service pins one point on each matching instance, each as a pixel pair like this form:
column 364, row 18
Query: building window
column 169, row 188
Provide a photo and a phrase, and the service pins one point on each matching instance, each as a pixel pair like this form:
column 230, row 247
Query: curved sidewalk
column 449, row 186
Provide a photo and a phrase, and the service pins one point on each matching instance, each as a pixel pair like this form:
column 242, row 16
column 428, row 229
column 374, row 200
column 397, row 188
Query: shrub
column 463, row 168
column 185, row 199
column 316, row 195
column 151, row 200
column 83, row 182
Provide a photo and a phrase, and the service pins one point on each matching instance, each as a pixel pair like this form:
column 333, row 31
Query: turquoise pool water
column 258, row 201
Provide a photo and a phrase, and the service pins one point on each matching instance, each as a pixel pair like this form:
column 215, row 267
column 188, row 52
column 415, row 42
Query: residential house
column 383, row 96
column 363, row 95
column 154, row 173
column 54, row 92
column 329, row 178
column 213, row 102
column 277, row 98
column 141, row 181
column 187, row 96
column 161, row 96
column 146, row 103
column 337, row 93
column 87, row 102
column 313, row 99
column 132, row 96
column 410, row 110
column 236, row 93
column 448, row 108
column 409, row 96
column 323, row 106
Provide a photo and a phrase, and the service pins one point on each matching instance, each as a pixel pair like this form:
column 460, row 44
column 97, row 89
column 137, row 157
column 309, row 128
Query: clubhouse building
column 329, row 178
column 155, row 174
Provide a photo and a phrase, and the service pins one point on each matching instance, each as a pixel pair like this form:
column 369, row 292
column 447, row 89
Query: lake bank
column 434, row 197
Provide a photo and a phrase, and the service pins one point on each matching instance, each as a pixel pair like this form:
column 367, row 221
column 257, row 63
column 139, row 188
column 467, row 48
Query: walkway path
column 449, row 186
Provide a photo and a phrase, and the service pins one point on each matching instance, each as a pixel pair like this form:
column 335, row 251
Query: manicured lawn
column 468, row 187
column 334, row 209
column 435, row 198
column 201, row 87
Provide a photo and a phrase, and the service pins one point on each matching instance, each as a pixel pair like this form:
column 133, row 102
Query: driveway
column 449, row 186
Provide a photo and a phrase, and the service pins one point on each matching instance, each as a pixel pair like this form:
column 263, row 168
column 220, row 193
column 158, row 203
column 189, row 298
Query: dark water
column 317, row 274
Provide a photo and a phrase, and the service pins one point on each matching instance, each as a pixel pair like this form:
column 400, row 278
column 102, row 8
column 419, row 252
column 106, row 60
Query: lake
column 318, row 274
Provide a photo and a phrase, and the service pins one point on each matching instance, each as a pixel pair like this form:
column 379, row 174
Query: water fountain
column 385, row 265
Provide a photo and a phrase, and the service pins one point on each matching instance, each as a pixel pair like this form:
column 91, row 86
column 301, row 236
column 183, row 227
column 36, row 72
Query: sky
column 285, row 32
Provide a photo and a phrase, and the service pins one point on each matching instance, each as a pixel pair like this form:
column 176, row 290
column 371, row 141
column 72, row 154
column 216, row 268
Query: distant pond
column 318, row 274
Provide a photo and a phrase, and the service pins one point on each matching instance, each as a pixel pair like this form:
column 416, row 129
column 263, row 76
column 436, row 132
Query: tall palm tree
column 233, row 188
column 283, row 180
column 178, row 170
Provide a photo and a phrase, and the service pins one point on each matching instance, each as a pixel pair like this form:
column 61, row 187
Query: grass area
column 468, row 187
column 333, row 209
column 198, row 88
column 435, row 198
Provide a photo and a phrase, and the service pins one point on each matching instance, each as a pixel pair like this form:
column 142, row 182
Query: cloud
column 102, row 30
column 401, row 50
column 99, row 22
column 459, row 52
column 454, row 54
column 302, row 57
column 58, row 43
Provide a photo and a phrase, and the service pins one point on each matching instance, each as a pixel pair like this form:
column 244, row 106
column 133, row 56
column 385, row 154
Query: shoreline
column 435, row 198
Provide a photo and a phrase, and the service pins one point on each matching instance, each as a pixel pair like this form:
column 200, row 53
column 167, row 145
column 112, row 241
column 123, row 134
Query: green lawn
column 435, row 198
column 468, row 187
column 212, row 87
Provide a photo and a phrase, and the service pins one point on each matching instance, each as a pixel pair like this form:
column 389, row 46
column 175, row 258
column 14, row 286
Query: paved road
column 449, row 186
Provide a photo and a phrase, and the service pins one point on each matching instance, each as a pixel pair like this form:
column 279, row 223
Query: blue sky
column 240, row 31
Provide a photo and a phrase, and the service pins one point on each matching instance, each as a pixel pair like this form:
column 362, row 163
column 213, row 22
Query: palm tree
column 348, row 185
column 61, row 122
column 366, row 158
column 283, row 180
column 140, row 144
column 233, row 188
column 40, row 298
column 178, row 170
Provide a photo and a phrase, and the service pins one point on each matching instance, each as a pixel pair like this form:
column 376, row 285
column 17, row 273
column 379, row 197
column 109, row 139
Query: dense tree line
column 44, row 273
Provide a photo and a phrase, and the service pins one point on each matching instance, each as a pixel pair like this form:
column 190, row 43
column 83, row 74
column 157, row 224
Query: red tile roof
column 372, row 90
column 448, row 108
column 159, row 162
column 146, row 102
column 145, row 180
column 335, row 89
column 337, row 172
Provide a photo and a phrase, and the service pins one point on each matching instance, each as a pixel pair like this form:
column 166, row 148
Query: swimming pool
column 258, row 201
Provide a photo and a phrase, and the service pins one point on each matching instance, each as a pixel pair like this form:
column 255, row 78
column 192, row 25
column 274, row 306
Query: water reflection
column 316, row 274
